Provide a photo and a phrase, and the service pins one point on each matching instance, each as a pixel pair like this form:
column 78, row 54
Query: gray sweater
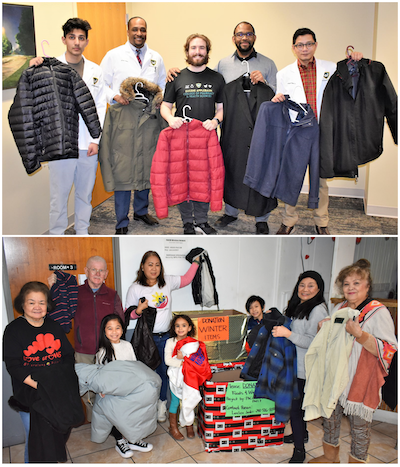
column 303, row 333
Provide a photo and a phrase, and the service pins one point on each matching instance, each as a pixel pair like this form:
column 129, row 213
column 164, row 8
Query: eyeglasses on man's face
column 94, row 270
column 242, row 34
column 307, row 45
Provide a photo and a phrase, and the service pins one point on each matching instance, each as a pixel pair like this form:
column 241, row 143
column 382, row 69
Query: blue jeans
column 122, row 201
column 234, row 212
column 161, row 370
column 25, row 417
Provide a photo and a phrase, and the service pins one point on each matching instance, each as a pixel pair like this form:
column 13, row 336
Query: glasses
column 94, row 270
column 301, row 46
column 242, row 34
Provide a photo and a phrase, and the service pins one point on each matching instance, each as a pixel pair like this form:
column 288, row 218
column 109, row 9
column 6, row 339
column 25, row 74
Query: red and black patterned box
column 237, row 433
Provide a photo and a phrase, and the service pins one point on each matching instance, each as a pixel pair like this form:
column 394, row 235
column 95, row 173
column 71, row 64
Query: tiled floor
column 191, row 451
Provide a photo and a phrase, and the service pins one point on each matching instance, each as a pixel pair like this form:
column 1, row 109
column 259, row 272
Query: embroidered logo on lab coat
column 153, row 62
column 326, row 74
column 95, row 80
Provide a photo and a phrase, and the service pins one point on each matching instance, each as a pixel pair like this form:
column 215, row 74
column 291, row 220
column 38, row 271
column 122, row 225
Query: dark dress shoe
column 146, row 218
column 322, row 230
column 285, row 230
column 262, row 228
column 121, row 231
column 224, row 220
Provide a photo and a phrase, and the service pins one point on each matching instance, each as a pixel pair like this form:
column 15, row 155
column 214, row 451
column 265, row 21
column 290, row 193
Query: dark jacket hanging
column 203, row 285
column 44, row 117
column 240, row 114
column 352, row 127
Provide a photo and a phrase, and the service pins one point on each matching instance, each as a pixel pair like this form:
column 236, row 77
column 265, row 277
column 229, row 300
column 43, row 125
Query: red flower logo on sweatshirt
column 43, row 342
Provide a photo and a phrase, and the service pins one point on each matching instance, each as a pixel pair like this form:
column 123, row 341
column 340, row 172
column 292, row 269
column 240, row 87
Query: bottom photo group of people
column 130, row 366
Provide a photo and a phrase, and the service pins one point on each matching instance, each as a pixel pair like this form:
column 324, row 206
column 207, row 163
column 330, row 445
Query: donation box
column 223, row 332
column 230, row 419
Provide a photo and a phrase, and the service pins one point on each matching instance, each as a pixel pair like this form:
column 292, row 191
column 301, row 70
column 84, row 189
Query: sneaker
column 140, row 446
column 161, row 411
column 122, row 447
column 205, row 229
column 188, row 229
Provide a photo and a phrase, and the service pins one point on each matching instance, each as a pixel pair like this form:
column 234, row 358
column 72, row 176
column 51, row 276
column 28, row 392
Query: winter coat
column 131, row 392
column 240, row 115
column 187, row 165
column 130, row 137
column 352, row 128
column 281, row 150
column 277, row 379
column 44, row 117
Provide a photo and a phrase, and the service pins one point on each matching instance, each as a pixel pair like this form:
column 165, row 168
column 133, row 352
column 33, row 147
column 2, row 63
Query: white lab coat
column 93, row 78
column 289, row 81
column 121, row 63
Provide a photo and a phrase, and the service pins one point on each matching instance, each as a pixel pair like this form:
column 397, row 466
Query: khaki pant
column 89, row 397
column 321, row 217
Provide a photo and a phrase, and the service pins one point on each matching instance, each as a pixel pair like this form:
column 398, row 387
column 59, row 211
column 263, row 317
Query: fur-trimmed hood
column 152, row 91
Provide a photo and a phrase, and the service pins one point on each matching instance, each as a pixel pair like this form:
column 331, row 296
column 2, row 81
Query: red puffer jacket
column 187, row 165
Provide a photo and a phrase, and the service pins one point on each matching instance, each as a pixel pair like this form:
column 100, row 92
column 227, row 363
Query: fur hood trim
column 150, row 90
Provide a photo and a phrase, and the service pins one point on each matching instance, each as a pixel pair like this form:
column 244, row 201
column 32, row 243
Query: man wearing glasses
column 305, row 81
column 261, row 67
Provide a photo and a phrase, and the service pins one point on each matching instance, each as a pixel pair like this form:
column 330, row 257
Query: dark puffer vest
column 44, row 117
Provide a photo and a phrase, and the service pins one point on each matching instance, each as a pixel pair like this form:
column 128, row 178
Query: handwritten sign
column 239, row 400
column 213, row 328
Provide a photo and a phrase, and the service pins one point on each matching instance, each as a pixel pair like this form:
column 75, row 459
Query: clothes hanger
column 140, row 95
column 185, row 118
column 246, row 77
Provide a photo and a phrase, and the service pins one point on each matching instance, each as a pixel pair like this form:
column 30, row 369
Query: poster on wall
column 18, row 42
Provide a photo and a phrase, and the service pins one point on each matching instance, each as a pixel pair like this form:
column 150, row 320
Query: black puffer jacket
column 44, row 117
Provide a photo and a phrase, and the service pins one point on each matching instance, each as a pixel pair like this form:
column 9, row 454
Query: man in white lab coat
column 79, row 172
column 133, row 59
column 305, row 81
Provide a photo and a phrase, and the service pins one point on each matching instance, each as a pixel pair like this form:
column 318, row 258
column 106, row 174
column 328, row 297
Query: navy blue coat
column 281, row 150
column 277, row 379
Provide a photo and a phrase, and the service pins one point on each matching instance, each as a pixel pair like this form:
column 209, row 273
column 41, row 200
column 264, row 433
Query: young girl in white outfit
column 188, row 368
column 112, row 347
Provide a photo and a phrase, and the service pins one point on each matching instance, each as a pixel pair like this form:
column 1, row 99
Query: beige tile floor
column 191, row 451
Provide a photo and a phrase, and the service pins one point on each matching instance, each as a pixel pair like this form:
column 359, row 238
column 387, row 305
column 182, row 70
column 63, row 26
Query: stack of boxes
column 234, row 434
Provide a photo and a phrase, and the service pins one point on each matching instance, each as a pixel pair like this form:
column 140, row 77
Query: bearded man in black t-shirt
column 201, row 88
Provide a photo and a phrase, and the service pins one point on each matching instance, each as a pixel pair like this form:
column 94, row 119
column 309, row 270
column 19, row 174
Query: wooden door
column 108, row 22
column 28, row 259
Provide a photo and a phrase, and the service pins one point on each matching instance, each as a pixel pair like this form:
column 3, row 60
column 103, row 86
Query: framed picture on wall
column 19, row 44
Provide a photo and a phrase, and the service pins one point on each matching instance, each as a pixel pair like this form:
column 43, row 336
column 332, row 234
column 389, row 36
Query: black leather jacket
column 44, row 117
column 351, row 130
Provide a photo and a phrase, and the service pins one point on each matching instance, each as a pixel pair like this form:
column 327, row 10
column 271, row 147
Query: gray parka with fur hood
column 130, row 137
column 44, row 117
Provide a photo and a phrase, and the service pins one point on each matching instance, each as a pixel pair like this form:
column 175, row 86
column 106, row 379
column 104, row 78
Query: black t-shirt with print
column 27, row 348
column 199, row 90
